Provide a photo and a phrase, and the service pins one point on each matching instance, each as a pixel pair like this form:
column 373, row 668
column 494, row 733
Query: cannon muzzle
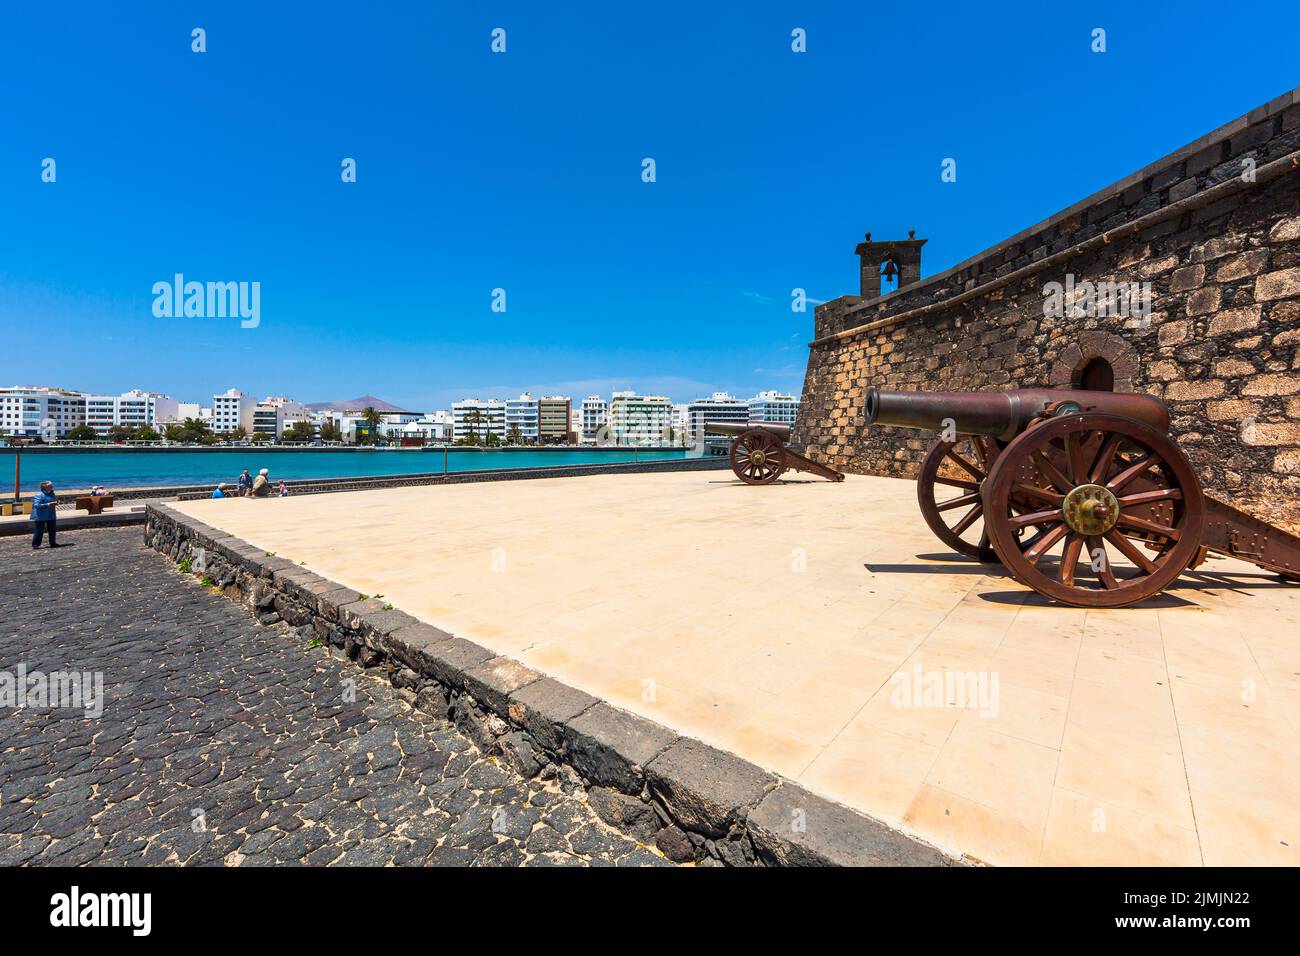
column 1003, row 415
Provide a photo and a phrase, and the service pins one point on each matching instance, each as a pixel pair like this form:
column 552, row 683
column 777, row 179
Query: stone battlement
column 1211, row 233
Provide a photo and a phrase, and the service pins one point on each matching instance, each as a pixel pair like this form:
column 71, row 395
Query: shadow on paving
column 223, row 742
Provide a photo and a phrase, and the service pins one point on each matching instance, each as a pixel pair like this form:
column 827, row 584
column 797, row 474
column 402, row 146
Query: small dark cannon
column 759, row 455
column 1057, row 483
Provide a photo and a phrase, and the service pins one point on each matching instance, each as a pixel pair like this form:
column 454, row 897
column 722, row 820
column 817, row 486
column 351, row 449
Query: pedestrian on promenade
column 43, row 515
column 217, row 492
column 284, row 490
column 245, row 484
column 261, row 485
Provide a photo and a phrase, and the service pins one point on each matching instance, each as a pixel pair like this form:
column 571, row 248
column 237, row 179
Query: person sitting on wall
column 217, row 492
column 99, row 491
column 43, row 514
column 284, row 490
column 245, row 484
column 261, row 485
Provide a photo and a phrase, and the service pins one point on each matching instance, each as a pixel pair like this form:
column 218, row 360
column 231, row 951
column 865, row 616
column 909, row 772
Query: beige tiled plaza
column 771, row 621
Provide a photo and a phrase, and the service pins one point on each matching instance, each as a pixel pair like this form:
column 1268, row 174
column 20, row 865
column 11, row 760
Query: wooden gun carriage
column 759, row 455
column 1061, row 484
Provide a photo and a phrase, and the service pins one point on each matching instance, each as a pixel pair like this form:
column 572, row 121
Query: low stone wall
column 692, row 801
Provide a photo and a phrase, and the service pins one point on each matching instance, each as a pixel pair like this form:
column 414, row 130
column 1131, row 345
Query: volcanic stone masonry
column 1213, row 228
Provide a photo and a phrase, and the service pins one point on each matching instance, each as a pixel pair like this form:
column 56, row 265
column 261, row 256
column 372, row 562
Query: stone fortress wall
column 1213, row 228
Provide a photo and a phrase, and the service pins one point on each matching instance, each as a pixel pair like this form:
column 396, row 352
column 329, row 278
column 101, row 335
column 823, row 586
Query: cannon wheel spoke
column 1058, row 554
column 757, row 457
column 956, row 517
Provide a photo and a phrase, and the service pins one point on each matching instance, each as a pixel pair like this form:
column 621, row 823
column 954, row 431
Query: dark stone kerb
column 704, row 789
column 494, row 680
column 792, row 827
column 610, row 747
column 693, row 801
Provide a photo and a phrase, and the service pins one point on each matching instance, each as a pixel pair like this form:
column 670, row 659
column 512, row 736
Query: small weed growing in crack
column 185, row 564
column 314, row 643
column 207, row 582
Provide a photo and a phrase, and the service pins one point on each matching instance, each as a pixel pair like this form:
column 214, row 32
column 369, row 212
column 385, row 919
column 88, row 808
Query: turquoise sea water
column 135, row 469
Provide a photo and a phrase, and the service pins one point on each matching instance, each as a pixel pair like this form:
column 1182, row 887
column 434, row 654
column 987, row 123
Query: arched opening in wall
column 888, row 276
column 1097, row 375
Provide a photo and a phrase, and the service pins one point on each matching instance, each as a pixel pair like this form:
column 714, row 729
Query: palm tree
column 372, row 418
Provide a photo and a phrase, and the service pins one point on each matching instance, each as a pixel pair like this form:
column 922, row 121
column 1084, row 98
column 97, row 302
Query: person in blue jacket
column 43, row 514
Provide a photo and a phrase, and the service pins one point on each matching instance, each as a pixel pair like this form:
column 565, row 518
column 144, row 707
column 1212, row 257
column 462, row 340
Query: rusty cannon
column 1082, row 495
column 759, row 455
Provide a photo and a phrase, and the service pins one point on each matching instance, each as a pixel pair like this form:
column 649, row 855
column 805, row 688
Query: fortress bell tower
column 887, row 266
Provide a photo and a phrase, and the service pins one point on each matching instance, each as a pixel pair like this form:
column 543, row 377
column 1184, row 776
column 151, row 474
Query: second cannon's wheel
column 948, row 490
column 1111, row 488
column 757, row 457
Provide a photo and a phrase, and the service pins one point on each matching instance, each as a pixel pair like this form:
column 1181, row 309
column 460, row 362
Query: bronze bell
column 890, row 270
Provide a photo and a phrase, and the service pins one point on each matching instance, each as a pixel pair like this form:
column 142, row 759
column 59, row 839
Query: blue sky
column 522, row 171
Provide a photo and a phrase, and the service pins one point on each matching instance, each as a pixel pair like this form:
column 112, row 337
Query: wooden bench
column 94, row 504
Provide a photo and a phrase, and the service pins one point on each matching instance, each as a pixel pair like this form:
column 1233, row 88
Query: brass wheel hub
column 757, row 458
column 1090, row 510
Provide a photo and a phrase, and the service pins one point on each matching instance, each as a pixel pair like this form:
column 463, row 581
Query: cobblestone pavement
column 225, row 742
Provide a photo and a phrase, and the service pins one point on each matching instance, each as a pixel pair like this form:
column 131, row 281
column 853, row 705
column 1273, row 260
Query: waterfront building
column 718, row 407
column 182, row 411
column 521, row 418
column 681, row 422
column 133, row 409
column 553, row 414
column 232, row 410
column 640, row 419
column 268, row 420
column 474, row 416
column 575, row 423
column 773, row 407
column 428, row 430
column 276, row 414
column 595, row 412
column 32, row 411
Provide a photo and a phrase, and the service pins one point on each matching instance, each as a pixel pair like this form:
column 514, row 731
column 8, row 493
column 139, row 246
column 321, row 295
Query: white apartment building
column 30, row 411
column 186, row 410
column 774, row 408
column 640, row 419
column 718, row 407
column 473, row 416
column 522, row 413
column 133, row 409
column 231, row 410
column 595, row 412
column 681, row 422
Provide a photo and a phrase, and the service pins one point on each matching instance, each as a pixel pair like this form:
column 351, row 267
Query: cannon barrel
column 1006, row 414
column 735, row 428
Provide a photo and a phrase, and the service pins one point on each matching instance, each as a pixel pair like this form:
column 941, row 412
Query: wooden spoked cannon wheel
column 1112, row 488
column 949, row 487
column 951, row 502
column 757, row 457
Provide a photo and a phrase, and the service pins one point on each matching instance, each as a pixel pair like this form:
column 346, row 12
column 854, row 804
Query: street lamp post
column 17, row 444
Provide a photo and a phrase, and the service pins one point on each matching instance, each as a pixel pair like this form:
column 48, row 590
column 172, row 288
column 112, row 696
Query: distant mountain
column 354, row 406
